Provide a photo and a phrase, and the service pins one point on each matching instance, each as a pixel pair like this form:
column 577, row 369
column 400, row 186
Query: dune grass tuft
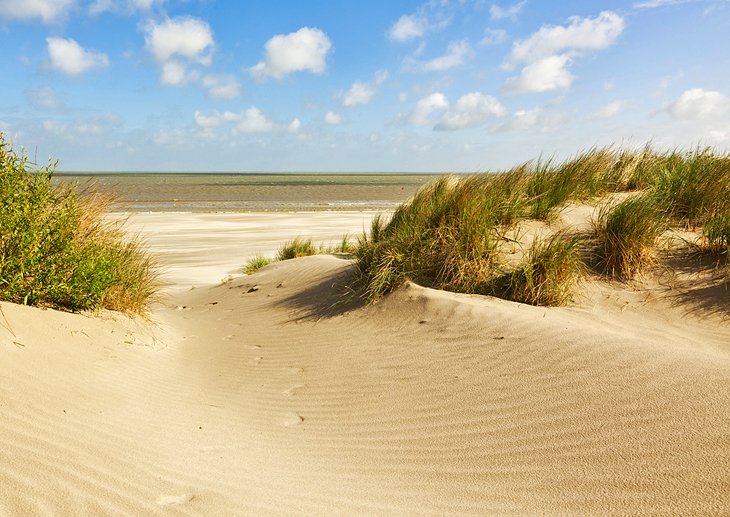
column 255, row 263
column 58, row 250
column 626, row 234
column 547, row 274
column 716, row 232
column 295, row 248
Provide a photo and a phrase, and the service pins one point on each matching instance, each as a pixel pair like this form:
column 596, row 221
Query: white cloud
column 471, row 110
column 208, row 121
column 511, row 11
column 70, row 58
column 183, row 37
column 418, row 116
column 609, row 110
column 222, row 87
column 457, row 52
column 580, row 34
column 175, row 73
column 332, row 118
column 547, row 53
column 253, row 121
column 363, row 93
column 303, row 50
column 44, row 97
column 696, row 104
column 493, row 37
column 408, row 27
column 47, row 10
column 294, row 125
column 535, row 118
column 122, row 6
column 548, row 73
column 97, row 125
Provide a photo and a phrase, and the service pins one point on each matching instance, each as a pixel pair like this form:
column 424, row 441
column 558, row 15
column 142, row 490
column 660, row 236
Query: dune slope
column 264, row 395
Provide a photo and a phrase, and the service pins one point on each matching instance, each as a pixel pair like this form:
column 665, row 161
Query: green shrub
column 57, row 249
column 716, row 232
column 626, row 233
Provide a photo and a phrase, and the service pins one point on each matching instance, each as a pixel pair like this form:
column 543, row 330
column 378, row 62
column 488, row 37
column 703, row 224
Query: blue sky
column 443, row 86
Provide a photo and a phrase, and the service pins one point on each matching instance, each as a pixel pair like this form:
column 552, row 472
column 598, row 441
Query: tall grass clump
column 547, row 274
column 716, row 232
column 694, row 187
column 255, row 263
column 58, row 250
column 296, row 248
column 447, row 236
column 626, row 234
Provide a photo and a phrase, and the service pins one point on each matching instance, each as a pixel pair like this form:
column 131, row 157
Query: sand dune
column 265, row 396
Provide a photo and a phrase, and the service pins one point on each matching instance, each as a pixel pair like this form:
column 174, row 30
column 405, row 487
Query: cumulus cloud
column 581, row 34
column 408, row 27
column 418, row 116
column 699, row 104
column 294, row 125
column 547, row 53
column 455, row 56
column 251, row 120
column 305, row 50
column 511, row 11
column 47, row 11
column 122, row 6
column 548, row 73
column 177, row 44
column 332, row 118
column 651, row 4
column 471, row 110
column 184, row 37
column 70, row 58
column 222, row 87
column 362, row 93
column 535, row 118
column 96, row 125
column 609, row 110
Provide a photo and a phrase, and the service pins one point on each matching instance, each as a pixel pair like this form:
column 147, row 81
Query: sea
column 249, row 192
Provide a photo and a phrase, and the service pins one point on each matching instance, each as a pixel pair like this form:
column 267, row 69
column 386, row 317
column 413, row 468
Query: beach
column 266, row 394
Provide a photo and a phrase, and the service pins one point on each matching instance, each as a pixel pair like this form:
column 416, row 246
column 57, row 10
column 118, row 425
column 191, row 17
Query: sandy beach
column 261, row 395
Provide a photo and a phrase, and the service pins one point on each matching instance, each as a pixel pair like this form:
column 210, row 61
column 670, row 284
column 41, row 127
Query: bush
column 56, row 249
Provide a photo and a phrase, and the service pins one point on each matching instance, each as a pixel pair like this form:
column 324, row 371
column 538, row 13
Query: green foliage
column 297, row 248
column 547, row 274
column 626, row 233
column 716, row 232
column 255, row 263
column 56, row 249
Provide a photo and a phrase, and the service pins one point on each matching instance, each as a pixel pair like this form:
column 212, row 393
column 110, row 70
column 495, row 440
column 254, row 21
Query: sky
column 386, row 85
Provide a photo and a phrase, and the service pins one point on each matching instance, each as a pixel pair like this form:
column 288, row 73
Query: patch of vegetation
column 547, row 274
column 296, row 248
column 255, row 263
column 626, row 234
column 58, row 250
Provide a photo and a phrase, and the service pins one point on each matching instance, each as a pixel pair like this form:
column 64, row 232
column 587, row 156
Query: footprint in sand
column 228, row 338
column 254, row 347
column 293, row 390
column 256, row 360
column 170, row 500
column 291, row 419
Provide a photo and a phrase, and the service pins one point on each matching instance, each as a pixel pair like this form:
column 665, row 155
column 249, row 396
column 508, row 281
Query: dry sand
column 258, row 396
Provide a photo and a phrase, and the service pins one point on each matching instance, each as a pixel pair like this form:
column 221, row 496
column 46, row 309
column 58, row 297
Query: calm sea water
column 215, row 192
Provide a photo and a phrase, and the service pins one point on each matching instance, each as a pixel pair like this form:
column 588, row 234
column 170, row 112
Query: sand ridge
column 265, row 395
